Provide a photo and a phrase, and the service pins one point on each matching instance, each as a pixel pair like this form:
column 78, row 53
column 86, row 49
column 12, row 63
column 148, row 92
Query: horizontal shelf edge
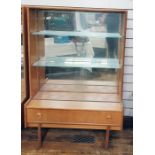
column 74, row 62
column 79, row 34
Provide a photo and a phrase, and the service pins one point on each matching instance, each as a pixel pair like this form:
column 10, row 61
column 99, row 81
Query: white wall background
column 126, row 4
column 119, row 4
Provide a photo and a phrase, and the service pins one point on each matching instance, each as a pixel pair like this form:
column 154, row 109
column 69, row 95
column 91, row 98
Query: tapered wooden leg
column 107, row 137
column 39, row 136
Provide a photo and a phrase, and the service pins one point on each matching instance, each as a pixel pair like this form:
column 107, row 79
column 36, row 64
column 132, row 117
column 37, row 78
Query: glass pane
column 78, row 45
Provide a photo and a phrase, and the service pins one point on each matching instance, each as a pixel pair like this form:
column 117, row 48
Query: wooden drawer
column 74, row 116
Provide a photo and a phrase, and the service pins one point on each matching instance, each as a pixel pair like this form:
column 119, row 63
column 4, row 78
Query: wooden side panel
column 25, row 54
column 25, row 81
column 36, row 50
column 121, row 56
column 41, row 47
column 33, row 72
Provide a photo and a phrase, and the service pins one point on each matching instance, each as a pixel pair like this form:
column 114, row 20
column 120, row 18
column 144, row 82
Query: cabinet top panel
column 77, row 8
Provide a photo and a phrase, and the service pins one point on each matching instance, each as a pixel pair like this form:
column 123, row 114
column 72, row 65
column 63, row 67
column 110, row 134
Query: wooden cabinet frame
column 25, row 82
column 107, row 114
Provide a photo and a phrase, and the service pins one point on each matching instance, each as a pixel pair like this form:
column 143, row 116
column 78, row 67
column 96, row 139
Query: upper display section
column 78, row 38
column 80, row 24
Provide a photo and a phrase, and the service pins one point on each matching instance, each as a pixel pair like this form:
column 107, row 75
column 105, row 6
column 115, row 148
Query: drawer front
column 73, row 116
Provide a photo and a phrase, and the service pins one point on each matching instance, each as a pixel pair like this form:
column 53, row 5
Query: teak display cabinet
column 76, row 58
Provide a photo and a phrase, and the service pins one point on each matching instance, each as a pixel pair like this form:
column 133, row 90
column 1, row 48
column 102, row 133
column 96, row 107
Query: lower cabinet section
column 74, row 114
column 74, row 117
column 43, row 117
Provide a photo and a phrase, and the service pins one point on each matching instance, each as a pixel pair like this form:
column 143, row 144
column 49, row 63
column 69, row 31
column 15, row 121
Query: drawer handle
column 108, row 117
column 39, row 115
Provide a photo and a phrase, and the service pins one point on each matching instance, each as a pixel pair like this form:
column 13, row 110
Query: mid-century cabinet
column 76, row 58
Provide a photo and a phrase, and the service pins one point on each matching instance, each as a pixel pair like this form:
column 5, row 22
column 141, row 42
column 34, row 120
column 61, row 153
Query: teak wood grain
column 77, row 8
column 75, row 126
column 75, row 105
column 76, row 96
column 78, row 88
column 73, row 116
column 36, row 49
column 70, row 103
column 25, row 81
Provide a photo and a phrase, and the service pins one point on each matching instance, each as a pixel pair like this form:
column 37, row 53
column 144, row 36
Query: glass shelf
column 78, row 62
column 79, row 34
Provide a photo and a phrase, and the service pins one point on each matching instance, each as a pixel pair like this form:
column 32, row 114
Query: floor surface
column 76, row 142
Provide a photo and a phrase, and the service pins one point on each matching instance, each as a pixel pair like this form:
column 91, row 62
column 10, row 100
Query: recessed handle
column 109, row 117
column 39, row 114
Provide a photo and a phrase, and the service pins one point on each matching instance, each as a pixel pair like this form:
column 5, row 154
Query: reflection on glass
column 90, row 40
